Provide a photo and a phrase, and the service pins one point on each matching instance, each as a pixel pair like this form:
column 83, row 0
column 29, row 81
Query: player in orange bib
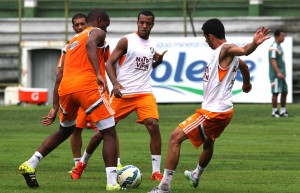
column 208, row 122
column 83, row 84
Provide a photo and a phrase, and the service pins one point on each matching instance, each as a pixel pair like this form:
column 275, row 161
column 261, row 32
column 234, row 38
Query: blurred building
column 32, row 32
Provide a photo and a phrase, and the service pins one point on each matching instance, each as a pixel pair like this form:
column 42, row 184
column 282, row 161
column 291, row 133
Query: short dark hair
column 215, row 27
column 97, row 13
column 278, row 32
column 79, row 15
column 146, row 13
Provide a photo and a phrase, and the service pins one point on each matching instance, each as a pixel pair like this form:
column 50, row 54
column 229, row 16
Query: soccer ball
column 129, row 177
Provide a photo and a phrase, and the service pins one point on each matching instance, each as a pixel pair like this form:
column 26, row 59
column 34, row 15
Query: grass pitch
column 256, row 153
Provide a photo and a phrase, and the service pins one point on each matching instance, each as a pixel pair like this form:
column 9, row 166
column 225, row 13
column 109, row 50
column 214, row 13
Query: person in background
column 277, row 75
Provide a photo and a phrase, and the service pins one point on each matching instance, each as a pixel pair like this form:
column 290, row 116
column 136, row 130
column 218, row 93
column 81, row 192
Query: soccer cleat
column 285, row 114
column 276, row 114
column 192, row 181
column 78, row 170
column 119, row 167
column 158, row 190
column 156, row 176
column 29, row 174
column 114, row 188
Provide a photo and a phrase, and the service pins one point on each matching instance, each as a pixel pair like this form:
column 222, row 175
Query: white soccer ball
column 129, row 177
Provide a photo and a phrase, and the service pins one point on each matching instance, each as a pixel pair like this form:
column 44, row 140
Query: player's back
column 78, row 72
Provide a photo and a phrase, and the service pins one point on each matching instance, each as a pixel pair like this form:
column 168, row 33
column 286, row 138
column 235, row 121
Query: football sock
column 274, row 110
column 35, row 159
column 119, row 161
column 111, row 175
column 156, row 160
column 85, row 158
column 166, row 180
column 197, row 172
column 76, row 160
column 282, row 110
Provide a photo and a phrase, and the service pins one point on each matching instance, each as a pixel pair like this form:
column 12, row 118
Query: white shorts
column 105, row 123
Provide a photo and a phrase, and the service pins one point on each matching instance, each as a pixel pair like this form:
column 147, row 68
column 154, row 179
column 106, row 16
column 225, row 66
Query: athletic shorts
column 143, row 104
column 279, row 86
column 95, row 105
column 205, row 124
column 83, row 121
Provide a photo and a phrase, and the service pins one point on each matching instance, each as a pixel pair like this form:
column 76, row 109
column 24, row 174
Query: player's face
column 281, row 37
column 208, row 39
column 145, row 25
column 79, row 25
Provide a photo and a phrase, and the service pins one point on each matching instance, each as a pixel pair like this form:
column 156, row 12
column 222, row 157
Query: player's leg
column 177, row 136
column 284, row 92
column 76, row 144
column 148, row 115
column 204, row 159
column 68, row 121
column 275, row 92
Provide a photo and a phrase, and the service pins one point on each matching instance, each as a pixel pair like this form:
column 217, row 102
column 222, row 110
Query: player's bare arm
column 158, row 58
column 247, row 86
column 96, row 38
column 276, row 69
column 50, row 118
column 258, row 38
column 118, row 52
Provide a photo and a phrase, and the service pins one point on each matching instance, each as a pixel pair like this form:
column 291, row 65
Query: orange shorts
column 83, row 121
column 95, row 105
column 143, row 104
column 205, row 123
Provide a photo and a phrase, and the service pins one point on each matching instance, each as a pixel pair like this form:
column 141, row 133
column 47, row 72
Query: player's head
column 98, row 18
column 214, row 27
column 279, row 35
column 145, row 23
column 79, row 22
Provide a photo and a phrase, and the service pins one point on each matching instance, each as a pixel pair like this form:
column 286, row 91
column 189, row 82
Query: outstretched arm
column 258, row 38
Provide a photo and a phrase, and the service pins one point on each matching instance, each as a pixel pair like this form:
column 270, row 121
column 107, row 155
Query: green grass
column 256, row 153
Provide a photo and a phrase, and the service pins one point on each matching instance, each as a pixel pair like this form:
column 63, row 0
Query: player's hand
column 50, row 118
column 102, row 83
column 158, row 58
column 261, row 35
column 247, row 87
column 116, row 91
column 280, row 76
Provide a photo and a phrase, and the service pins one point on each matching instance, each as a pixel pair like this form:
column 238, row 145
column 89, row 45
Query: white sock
column 35, row 159
column 156, row 159
column 85, row 158
column 165, row 183
column 111, row 175
column 282, row 110
column 76, row 160
column 197, row 172
column 119, row 161
column 274, row 110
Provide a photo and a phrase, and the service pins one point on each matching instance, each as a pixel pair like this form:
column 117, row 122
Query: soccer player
column 277, row 75
column 136, row 57
column 208, row 122
column 83, row 84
